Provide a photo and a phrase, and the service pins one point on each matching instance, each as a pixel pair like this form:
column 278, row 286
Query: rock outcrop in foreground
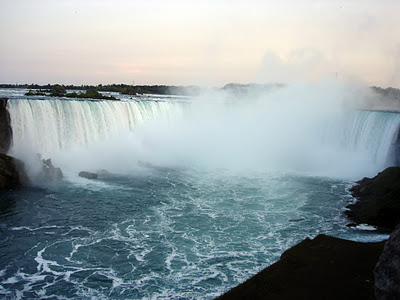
column 379, row 205
column 387, row 271
column 322, row 268
column 378, row 200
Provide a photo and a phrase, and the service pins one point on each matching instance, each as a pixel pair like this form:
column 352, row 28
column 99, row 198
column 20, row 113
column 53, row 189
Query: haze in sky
column 199, row 42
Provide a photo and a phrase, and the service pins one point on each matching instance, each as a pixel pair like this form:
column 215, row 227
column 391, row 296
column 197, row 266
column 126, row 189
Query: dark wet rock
column 11, row 172
column 322, row 268
column 49, row 172
column 88, row 175
column 297, row 220
column 378, row 200
column 5, row 127
column 387, row 271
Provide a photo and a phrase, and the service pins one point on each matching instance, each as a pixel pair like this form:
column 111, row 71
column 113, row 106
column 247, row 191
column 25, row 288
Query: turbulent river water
column 193, row 196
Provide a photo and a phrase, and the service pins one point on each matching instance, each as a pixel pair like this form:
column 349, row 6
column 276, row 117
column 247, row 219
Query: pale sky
column 199, row 42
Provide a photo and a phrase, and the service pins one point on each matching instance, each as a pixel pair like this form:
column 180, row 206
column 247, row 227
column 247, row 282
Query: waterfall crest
column 46, row 126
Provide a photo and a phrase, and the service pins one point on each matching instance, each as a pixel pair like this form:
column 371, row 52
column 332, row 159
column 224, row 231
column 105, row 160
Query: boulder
column 49, row 172
column 387, row 270
column 378, row 200
column 88, row 175
column 5, row 127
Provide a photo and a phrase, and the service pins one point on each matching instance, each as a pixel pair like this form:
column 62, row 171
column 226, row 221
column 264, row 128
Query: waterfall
column 351, row 143
column 372, row 133
column 47, row 126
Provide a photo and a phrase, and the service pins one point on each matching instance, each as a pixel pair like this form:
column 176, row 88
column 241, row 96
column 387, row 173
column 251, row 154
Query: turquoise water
column 171, row 219
column 162, row 234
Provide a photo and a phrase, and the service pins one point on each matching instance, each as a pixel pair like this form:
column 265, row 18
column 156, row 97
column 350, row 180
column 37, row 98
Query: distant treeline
column 234, row 88
column 60, row 91
column 126, row 89
column 118, row 88
column 389, row 92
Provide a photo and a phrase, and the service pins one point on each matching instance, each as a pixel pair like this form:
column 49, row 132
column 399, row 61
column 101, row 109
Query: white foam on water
column 36, row 228
column 366, row 227
column 45, row 265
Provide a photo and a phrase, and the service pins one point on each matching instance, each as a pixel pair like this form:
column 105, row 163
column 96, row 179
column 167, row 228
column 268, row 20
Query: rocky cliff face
column 379, row 205
column 11, row 170
column 387, row 271
column 5, row 127
column 378, row 200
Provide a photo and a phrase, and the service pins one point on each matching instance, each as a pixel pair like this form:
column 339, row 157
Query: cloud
column 394, row 80
column 299, row 64
column 367, row 24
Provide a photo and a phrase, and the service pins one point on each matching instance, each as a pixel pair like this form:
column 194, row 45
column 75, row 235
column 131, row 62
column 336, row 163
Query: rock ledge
column 378, row 200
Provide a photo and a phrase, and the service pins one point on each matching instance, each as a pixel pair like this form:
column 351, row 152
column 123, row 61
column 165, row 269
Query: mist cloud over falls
column 302, row 128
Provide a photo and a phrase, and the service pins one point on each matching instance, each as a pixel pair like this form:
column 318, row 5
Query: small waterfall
column 373, row 134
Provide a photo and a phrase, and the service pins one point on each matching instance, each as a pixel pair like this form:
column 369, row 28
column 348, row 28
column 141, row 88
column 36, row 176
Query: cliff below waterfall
column 11, row 174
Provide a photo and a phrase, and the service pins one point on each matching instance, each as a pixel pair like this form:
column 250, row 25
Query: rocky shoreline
column 378, row 200
column 333, row 268
column 322, row 268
